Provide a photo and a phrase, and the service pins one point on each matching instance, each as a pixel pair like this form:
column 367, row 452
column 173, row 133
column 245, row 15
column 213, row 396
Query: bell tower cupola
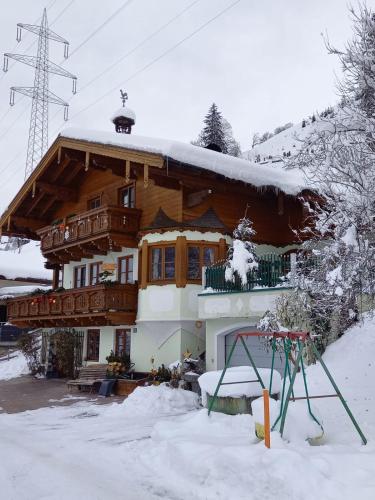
column 124, row 118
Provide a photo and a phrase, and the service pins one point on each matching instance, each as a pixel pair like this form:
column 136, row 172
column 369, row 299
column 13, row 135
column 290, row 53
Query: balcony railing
column 78, row 304
column 272, row 271
column 90, row 225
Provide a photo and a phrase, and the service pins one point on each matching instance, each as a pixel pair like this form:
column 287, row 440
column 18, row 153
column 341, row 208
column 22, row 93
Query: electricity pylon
column 40, row 94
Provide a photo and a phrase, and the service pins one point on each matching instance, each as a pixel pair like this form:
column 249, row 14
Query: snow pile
column 299, row 425
column 14, row 367
column 194, row 455
column 156, row 400
column 290, row 181
column 209, row 380
column 125, row 112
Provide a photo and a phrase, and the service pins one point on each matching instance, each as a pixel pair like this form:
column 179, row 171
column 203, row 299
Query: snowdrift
column 15, row 367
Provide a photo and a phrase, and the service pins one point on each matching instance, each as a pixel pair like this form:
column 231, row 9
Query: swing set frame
column 296, row 341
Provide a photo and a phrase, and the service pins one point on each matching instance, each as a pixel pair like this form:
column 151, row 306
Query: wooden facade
column 72, row 204
column 88, row 306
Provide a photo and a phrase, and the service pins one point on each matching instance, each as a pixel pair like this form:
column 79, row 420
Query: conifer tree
column 213, row 130
column 217, row 133
column 241, row 255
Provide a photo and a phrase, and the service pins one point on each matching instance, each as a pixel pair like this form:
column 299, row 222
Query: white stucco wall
column 238, row 305
column 190, row 235
column 228, row 312
column 110, row 258
column 168, row 303
column 164, row 342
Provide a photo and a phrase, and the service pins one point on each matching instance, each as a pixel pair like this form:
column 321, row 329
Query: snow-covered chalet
column 135, row 230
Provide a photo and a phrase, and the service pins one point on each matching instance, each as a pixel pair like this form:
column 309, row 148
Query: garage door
column 259, row 350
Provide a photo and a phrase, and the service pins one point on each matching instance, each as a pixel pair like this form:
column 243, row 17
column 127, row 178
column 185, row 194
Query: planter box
column 124, row 387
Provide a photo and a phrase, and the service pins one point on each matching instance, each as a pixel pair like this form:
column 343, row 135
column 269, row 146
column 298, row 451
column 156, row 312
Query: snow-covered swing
column 289, row 340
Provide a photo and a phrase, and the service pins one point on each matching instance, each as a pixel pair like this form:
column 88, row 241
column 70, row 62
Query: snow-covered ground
column 14, row 367
column 158, row 445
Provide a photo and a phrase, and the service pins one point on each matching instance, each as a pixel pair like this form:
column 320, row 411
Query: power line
column 127, row 54
column 158, row 58
column 26, row 50
column 145, row 40
column 50, row 5
column 99, row 28
column 151, row 63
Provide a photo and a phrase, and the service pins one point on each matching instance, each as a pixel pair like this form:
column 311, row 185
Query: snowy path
column 86, row 451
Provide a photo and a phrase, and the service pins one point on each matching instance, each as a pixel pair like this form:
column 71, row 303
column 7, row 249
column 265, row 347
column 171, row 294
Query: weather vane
column 124, row 97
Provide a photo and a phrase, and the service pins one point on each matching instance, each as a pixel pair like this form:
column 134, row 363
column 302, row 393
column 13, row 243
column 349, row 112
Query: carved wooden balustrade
column 90, row 225
column 91, row 305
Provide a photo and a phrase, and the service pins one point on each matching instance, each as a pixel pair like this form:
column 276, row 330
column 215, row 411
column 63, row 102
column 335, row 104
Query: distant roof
column 290, row 181
column 25, row 263
column 208, row 220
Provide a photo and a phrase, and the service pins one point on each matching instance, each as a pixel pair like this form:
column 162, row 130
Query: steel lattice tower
column 40, row 94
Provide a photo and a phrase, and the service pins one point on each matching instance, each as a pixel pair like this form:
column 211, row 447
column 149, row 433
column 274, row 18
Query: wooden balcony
column 88, row 306
column 94, row 232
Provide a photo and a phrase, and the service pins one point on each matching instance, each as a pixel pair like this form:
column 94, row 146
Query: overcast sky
column 262, row 61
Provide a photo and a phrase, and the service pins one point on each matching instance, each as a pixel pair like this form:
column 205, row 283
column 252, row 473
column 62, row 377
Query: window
column 61, row 277
column 79, row 276
column 162, row 263
column 94, row 273
column 94, row 203
column 198, row 257
column 93, row 341
column 127, row 197
column 122, row 342
column 125, row 269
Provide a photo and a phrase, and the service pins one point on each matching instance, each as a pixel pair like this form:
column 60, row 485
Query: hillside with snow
column 286, row 143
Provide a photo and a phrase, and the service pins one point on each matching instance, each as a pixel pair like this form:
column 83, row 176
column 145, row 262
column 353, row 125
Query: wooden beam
column 144, row 264
column 62, row 193
column 34, row 204
column 61, row 166
column 28, row 222
column 127, row 171
column 145, row 175
column 181, row 261
column 47, row 205
column 73, row 173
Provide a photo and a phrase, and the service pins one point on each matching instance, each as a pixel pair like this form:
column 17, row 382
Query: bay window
column 162, row 263
column 199, row 256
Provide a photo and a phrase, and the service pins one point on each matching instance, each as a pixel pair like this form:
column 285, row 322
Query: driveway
column 28, row 393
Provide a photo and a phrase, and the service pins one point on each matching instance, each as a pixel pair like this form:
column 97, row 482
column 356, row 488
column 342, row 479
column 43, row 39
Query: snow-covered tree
column 213, row 130
column 217, row 131
column 339, row 158
column 358, row 61
column 233, row 147
column 241, row 255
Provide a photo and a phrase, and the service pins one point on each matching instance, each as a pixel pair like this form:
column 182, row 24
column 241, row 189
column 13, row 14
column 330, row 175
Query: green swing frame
column 289, row 339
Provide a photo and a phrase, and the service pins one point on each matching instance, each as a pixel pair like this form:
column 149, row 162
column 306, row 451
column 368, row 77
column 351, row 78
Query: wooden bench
column 88, row 377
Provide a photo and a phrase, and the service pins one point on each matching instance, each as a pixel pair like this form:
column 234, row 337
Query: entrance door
column 122, row 341
column 259, row 348
column 93, row 342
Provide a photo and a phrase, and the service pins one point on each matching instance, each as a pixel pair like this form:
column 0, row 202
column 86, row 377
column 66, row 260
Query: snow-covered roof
column 26, row 263
column 9, row 292
column 290, row 181
column 124, row 111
